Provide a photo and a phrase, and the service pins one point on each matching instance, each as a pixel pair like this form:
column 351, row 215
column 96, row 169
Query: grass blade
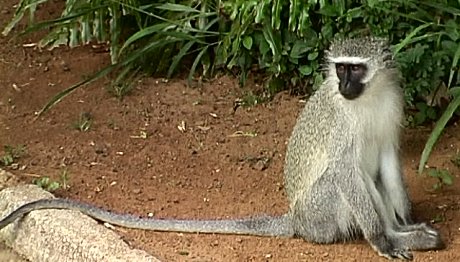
column 454, row 64
column 103, row 72
column 59, row 96
column 143, row 33
column 61, row 20
column 438, row 128
column 195, row 64
column 409, row 37
column 177, row 58
column 19, row 14
column 178, row 8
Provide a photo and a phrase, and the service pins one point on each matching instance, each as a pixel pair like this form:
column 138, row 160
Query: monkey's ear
column 387, row 54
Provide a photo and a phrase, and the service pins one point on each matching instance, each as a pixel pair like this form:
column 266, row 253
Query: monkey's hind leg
column 320, row 216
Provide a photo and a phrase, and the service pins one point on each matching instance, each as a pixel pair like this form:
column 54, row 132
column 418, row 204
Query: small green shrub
column 84, row 122
column 47, row 184
column 443, row 176
column 11, row 154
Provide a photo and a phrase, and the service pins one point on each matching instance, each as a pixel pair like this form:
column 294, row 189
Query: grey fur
column 342, row 172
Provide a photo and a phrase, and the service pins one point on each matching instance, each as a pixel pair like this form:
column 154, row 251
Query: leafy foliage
column 84, row 122
column 444, row 178
column 283, row 41
column 47, row 184
column 11, row 154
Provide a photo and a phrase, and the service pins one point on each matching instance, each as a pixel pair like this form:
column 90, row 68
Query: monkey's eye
column 340, row 68
column 356, row 68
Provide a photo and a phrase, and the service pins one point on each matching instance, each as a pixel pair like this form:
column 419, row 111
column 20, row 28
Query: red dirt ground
column 202, row 172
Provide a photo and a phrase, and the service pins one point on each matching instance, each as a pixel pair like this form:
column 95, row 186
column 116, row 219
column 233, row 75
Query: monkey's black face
column 351, row 76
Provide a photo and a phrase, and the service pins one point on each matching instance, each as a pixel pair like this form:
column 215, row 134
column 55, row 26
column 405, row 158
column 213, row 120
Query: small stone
column 260, row 165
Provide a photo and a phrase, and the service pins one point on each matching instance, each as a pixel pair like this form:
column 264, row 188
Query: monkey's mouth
column 351, row 92
column 350, row 95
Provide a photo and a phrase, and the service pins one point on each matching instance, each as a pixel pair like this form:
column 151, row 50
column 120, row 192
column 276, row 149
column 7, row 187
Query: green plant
column 64, row 178
column 123, row 83
column 47, row 184
column 423, row 114
column 439, row 127
column 50, row 185
column 11, row 154
column 84, row 122
column 456, row 160
column 112, row 124
column 250, row 99
column 438, row 218
column 443, row 176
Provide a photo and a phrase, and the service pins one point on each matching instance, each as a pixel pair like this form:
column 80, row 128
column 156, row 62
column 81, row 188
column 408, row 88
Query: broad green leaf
column 299, row 49
column 330, row 10
column 247, row 42
column 419, row 118
column 305, row 70
column 431, row 113
column 313, row 56
column 454, row 91
column 452, row 29
column 446, row 178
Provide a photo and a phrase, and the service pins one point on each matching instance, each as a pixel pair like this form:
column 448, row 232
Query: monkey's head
column 353, row 63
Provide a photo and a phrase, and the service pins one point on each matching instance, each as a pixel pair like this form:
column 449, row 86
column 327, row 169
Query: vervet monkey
column 342, row 173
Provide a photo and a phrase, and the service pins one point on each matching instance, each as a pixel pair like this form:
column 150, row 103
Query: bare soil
column 173, row 151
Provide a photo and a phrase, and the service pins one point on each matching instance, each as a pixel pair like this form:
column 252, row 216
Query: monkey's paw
column 428, row 239
column 397, row 253
column 387, row 247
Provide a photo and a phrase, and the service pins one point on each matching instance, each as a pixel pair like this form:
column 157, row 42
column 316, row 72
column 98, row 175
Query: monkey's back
column 312, row 142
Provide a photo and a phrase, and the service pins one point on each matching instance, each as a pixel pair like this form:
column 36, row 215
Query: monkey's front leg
column 393, row 184
column 355, row 190
column 416, row 236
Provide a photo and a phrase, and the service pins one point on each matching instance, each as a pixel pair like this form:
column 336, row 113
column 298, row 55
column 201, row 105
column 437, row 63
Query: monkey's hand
column 386, row 248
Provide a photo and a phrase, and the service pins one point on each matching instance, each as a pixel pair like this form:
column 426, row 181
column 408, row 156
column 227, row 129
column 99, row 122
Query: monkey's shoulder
column 321, row 127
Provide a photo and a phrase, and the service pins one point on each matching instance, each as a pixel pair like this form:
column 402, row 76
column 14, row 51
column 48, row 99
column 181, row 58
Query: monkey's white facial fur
column 354, row 60
column 358, row 59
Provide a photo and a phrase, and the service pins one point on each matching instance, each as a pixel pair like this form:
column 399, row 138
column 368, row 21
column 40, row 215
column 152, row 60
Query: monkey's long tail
column 260, row 226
